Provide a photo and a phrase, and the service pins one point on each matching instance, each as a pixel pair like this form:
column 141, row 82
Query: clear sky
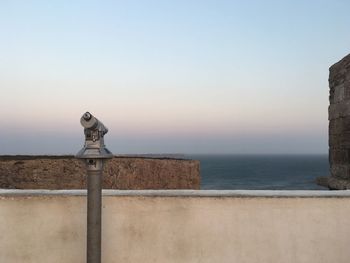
column 169, row 76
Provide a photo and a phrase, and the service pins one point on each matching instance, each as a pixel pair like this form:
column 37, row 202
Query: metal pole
column 93, row 252
column 93, row 153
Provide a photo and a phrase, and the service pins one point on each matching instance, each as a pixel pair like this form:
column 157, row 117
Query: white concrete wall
column 178, row 226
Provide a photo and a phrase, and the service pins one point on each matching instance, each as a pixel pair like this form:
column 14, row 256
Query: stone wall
column 66, row 172
column 339, row 124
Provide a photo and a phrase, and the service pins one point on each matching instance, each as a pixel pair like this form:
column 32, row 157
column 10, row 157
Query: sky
column 221, row 77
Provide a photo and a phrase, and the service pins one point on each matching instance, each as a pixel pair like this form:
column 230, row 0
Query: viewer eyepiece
column 87, row 116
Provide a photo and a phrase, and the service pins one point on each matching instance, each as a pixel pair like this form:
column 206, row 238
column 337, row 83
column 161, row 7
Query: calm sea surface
column 280, row 172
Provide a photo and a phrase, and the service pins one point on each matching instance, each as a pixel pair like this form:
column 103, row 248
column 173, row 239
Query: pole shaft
column 93, row 252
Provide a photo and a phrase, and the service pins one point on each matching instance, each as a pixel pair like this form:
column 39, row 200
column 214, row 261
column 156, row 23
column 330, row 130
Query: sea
column 262, row 172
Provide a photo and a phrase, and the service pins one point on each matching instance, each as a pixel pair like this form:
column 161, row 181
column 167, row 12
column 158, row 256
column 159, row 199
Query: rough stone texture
column 66, row 172
column 339, row 125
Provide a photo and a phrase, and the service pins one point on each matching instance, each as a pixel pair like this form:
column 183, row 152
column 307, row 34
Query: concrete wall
column 178, row 226
column 339, row 124
column 66, row 172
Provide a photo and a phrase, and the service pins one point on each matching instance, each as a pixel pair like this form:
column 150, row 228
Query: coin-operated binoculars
column 94, row 153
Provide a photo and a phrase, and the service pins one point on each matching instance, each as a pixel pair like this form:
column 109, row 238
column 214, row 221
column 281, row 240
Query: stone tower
column 339, row 124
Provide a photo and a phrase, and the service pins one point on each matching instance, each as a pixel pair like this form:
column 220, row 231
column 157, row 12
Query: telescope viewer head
column 94, row 131
column 88, row 121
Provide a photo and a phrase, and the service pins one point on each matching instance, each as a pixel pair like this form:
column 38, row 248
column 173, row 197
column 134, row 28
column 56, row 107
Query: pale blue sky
column 169, row 76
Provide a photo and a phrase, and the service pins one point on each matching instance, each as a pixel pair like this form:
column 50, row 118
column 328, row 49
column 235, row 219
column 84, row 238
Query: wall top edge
column 183, row 193
column 72, row 157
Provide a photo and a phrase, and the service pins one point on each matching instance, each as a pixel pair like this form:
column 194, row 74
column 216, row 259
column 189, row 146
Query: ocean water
column 262, row 172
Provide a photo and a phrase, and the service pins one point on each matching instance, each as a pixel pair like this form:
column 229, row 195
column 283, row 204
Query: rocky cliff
column 66, row 172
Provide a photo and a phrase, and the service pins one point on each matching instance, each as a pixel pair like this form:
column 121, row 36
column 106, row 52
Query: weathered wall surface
column 66, row 172
column 179, row 228
column 339, row 124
